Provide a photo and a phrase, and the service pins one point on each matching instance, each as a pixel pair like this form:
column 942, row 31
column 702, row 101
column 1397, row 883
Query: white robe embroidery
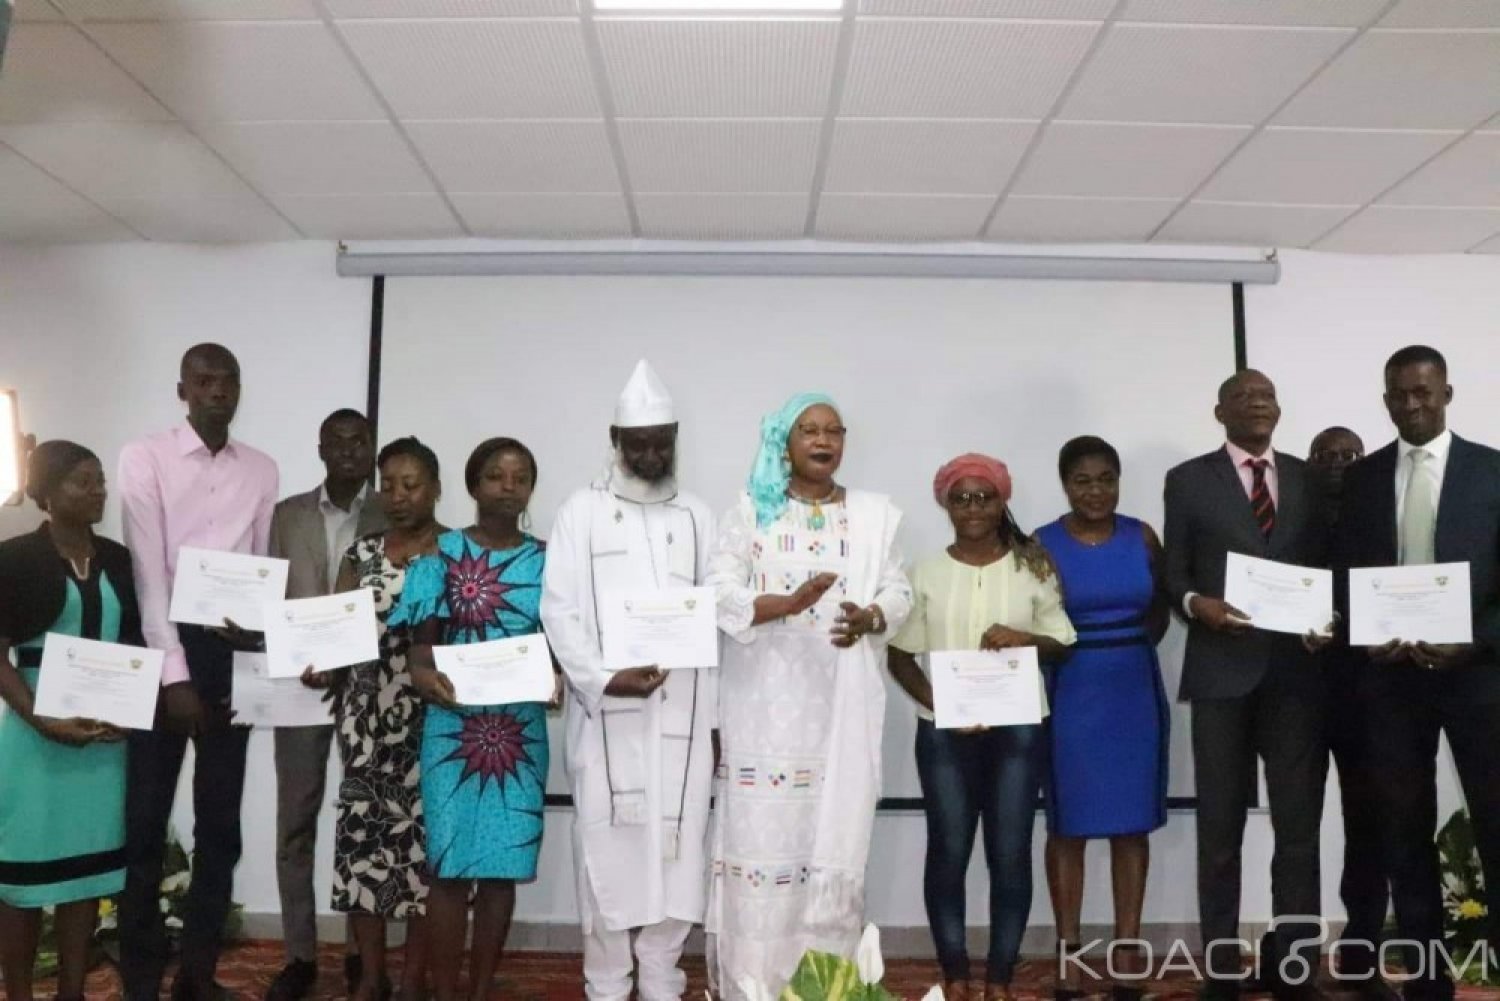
column 639, row 857
column 801, row 725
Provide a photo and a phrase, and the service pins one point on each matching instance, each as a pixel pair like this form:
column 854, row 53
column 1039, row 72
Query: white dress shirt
column 339, row 527
column 1433, row 469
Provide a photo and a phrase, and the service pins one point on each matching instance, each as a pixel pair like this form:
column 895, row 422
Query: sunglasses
column 967, row 498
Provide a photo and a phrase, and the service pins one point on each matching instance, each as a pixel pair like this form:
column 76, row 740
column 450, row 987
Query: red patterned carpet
column 547, row 976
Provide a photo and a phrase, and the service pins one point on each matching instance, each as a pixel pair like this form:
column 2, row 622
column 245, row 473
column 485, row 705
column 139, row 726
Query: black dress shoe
column 294, row 982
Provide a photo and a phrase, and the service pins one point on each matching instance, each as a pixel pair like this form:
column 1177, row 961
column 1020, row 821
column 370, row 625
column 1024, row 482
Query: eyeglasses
column 812, row 430
column 1325, row 456
column 967, row 498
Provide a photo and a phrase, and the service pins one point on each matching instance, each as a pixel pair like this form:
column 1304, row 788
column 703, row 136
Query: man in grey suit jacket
column 312, row 530
column 1254, row 693
column 1430, row 497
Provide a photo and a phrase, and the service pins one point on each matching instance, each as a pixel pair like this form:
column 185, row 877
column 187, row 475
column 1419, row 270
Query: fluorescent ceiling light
column 719, row 6
column 12, row 449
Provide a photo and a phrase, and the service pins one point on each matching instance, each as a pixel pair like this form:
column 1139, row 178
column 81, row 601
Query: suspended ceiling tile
column 517, row 156
column 967, row 156
column 1025, row 219
column 1089, row 159
column 498, row 68
column 686, row 67
column 961, row 69
column 242, row 70
column 1322, row 166
column 1181, row 73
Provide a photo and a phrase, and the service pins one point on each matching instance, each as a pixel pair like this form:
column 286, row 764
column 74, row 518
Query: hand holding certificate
column 1280, row 597
column 675, row 627
column 211, row 587
column 498, row 672
column 322, row 633
column 107, row 682
column 265, row 702
column 986, row 687
column 1413, row 604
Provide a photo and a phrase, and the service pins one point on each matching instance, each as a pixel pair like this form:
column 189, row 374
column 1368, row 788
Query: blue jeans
column 993, row 775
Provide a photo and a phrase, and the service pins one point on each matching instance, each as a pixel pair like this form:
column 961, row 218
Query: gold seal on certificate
column 1427, row 603
column 337, row 630
column 107, row 682
column 498, row 672
column 985, row 687
column 211, row 586
column 670, row 628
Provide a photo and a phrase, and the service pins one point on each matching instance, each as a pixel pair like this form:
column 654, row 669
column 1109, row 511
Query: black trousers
column 1283, row 727
column 1363, row 886
column 1406, row 710
column 155, row 759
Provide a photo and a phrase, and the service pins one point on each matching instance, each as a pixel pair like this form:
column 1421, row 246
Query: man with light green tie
column 1429, row 497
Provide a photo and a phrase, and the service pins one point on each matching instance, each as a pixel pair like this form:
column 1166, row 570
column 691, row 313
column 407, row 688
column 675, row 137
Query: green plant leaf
column 822, row 976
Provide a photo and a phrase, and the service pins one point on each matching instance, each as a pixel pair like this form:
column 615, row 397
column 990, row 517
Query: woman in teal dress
column 484, row 768
column 62, row 781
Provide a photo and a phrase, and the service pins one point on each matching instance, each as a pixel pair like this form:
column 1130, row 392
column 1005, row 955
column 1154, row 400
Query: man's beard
column 627, row 485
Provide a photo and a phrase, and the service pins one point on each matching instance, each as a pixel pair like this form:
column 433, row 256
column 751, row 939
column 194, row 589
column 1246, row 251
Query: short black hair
column 1228, row 384
column 343, row 414
column 49, row 464
column 1417, row 354
column 489, row 447
column 210, row 354
column 412, row 448
column 1083, row 447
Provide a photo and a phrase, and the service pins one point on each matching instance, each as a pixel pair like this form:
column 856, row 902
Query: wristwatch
column 879, row 616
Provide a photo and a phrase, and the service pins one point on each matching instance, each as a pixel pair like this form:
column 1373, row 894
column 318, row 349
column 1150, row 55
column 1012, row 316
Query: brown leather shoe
column 956, row 990
column 998, row 992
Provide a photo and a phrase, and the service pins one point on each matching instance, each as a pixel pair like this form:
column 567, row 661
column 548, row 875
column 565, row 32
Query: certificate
column 259, row 700
column 674, row 627
column 322, row 633
column 498, row 672
column 210, row 587
column 1427, row 603
column 100, row 681
column 986, row 687
column 1280, row 597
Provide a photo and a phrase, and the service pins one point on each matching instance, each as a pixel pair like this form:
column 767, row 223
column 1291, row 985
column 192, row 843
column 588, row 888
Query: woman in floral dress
column 484, row 768
column 380, row 862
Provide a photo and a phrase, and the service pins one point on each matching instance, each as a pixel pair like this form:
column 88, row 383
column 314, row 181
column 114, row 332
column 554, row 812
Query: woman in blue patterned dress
column 1109, row 711
column 484, row 768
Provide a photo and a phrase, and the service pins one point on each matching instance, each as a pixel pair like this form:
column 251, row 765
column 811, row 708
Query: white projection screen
column 922, row 368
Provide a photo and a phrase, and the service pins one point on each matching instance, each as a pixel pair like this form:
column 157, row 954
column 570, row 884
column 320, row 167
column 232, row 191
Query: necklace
column 80, row 574
column 815, row 518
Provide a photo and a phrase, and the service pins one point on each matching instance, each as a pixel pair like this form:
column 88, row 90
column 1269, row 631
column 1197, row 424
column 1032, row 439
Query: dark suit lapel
column 1290, row 491
column 1235, row 499
column 1383, row 501
column 1454, row 478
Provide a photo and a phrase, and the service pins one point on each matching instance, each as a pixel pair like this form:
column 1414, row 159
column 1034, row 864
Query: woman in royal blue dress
column 1109, row 711
column 484, row 768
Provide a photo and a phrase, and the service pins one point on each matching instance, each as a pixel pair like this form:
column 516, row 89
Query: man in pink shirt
column 195, row 486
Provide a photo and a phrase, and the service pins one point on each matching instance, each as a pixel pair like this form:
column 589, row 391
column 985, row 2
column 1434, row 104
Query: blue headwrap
column 772, row 470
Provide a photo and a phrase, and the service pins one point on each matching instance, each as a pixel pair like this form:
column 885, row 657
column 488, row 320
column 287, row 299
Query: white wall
column 91, row 336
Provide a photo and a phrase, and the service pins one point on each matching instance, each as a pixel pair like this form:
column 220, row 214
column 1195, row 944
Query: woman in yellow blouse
column 993, row 588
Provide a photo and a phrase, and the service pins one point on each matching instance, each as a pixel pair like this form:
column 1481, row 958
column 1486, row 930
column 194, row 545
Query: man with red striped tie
column 1254, row 693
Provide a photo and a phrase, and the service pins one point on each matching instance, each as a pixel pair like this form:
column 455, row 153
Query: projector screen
column 922, row 369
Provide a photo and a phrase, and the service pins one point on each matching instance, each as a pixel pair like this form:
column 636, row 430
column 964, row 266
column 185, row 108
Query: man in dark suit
column 1362, row 885
column 311, row 531
column 1430, row 497
column 1253, row 693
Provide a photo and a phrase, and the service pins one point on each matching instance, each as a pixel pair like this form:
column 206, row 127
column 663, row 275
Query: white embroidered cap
column 645, row 401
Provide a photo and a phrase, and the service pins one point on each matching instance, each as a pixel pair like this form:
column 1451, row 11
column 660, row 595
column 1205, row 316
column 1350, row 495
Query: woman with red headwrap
column 993, row 588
